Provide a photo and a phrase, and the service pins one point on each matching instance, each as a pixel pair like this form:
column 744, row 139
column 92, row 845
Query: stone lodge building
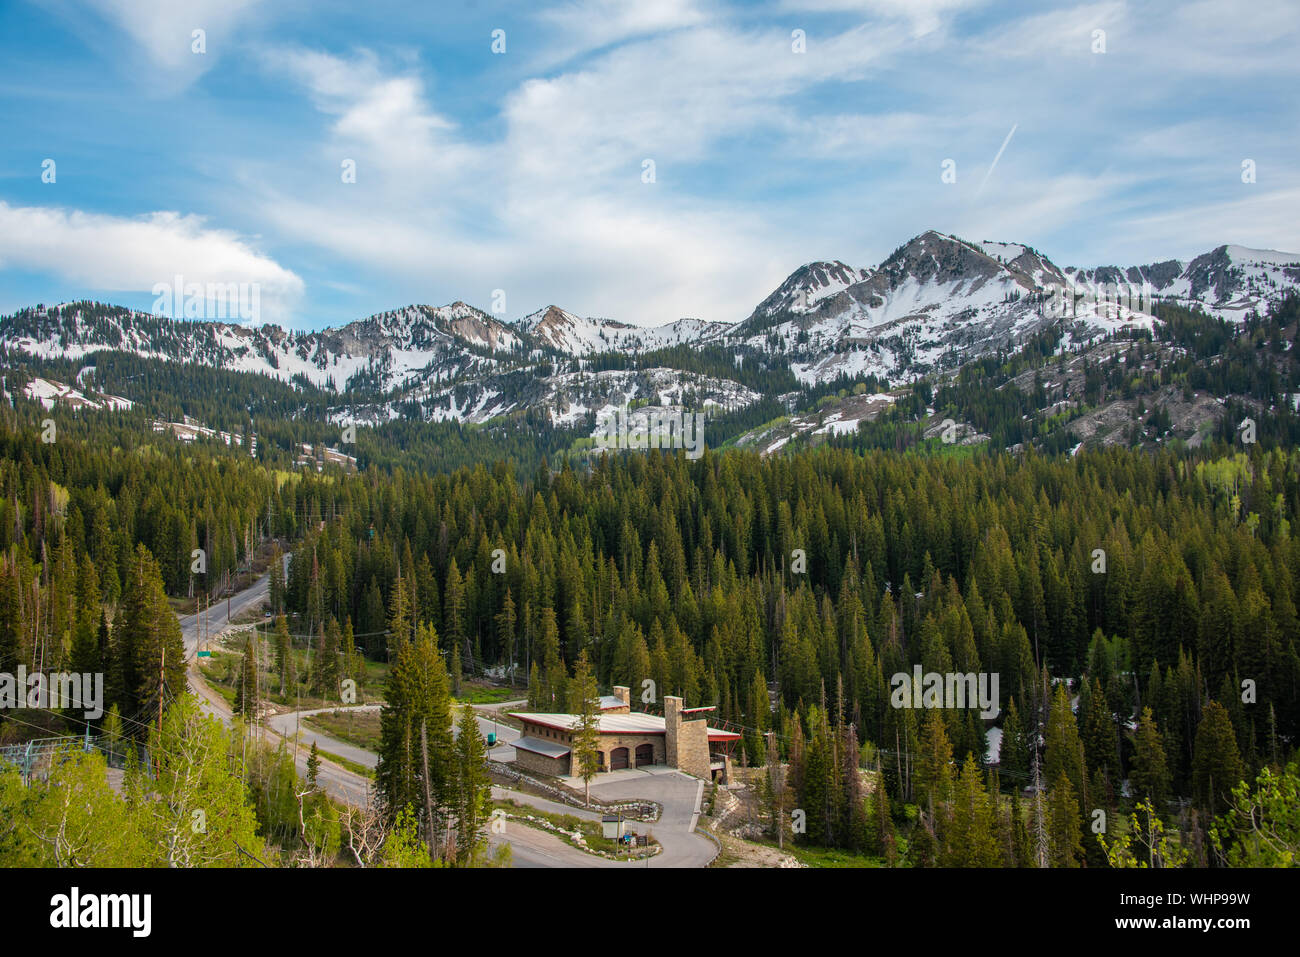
column 680, row 739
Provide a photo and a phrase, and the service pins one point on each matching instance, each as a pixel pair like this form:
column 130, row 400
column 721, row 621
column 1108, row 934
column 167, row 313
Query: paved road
column 676, row 792
column 680, row 794
column 288, row 725
column 338, row 782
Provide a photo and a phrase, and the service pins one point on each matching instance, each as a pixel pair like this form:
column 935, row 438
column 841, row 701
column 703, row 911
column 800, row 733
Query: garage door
column 618, row 759
column 645, row 754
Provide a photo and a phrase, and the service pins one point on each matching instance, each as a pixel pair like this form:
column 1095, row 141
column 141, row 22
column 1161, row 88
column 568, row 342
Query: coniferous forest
column 648, row 435
column 1138, row 607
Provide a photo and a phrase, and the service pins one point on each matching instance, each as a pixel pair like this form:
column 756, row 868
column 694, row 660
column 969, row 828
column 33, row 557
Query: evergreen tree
column 285, row 668
column 970, row 837
column 473, row 788
column 934, row 766
column 417, row 698
column 248, row 687
column 1149, row 776
column 149, row 646
column 1100, row 743
column 313, row 767
column 585, row 703
column 1064, row 751
column 1014, row 753
column 1064, row 830
column 276, row 586
column 1217, row 767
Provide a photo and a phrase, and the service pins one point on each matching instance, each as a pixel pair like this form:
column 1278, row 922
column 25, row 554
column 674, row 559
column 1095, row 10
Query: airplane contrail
column 994, row 164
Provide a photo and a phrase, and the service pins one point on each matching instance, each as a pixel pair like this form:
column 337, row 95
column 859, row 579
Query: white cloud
column 1061, row 34
column 132, row 255
column 163, row 29
column 591, row 24
column 1258, row 218
column 556, row 203
column 545, row 200
column 382, row 120
column 924, row 16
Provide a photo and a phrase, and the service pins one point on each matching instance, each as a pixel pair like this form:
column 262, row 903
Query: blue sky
column 522, row 171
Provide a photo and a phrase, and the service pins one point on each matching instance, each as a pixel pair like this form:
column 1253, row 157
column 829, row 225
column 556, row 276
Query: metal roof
column 547, row 749
column 637, row 722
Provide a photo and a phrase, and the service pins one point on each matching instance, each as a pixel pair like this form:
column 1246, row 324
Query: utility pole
column 162, row 665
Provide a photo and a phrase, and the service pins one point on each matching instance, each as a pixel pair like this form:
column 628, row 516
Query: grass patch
column 360, row 728
column 344, row 763
column 477, row 692
column 831, row 857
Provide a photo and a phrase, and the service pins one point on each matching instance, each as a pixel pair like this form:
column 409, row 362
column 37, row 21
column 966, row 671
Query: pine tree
column 85, row 655
column 1013, row 757
column 456, row 671
column 417, row 697
column 553, row 676
column 933, row 786
column 1100, row 744
column 152, row 655
column 1217, row 767
column 276, row 587
column 506, row 623
column 1066, row 834
column 313, row 767
column 354, row 665
column 534, row 688
column 1064, row 751
column 400, row 626
column 969, row 838
column 586, row 732
column 1149, row 776
column 453, row 614
column 326, row 672
column 285, row 667
column 473, row 788
column 1022, row 852
column 248, row 687
column 886, row 845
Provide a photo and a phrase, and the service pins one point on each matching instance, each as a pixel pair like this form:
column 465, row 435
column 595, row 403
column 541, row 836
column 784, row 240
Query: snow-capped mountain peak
column 573, row 335
column 935, row 302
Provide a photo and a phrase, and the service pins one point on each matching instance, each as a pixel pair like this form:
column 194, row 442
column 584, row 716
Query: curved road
column 678, row 793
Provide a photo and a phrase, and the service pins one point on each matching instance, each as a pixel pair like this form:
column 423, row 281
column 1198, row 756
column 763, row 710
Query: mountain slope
column 1228, row 282
column 382, row 350
column 936, row 303
column 573, row 335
